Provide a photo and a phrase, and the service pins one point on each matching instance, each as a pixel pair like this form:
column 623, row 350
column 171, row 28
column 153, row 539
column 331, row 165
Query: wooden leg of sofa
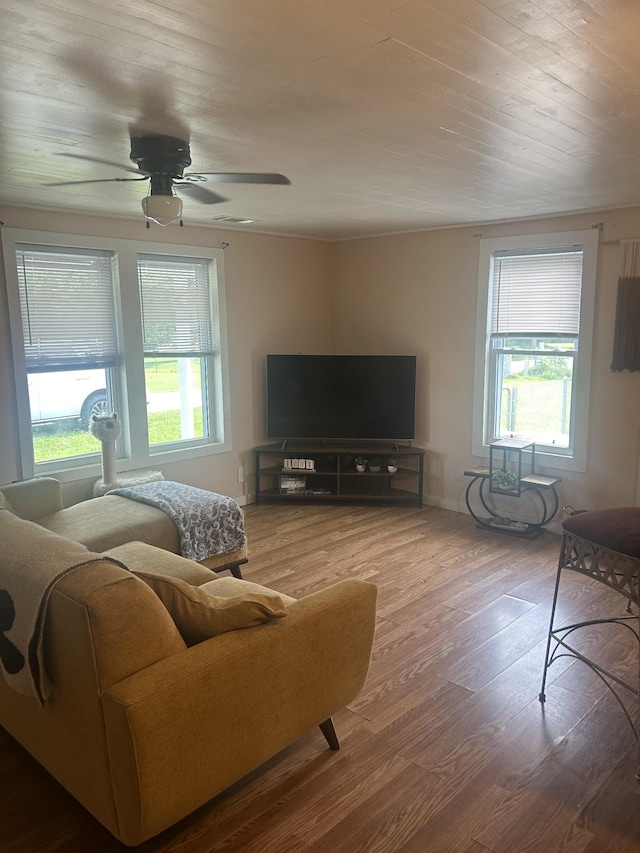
column 233, row 566
column 329, row 732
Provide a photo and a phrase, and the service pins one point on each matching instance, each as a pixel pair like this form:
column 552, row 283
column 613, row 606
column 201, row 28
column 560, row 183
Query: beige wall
column 412, row 293
column 277, row 299
column 417, row 293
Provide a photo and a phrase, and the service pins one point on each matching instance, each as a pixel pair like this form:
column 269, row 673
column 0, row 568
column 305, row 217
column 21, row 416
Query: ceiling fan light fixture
column 163, row 209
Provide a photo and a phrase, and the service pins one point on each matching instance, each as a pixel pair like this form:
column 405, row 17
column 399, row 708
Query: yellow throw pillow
column 199, row 614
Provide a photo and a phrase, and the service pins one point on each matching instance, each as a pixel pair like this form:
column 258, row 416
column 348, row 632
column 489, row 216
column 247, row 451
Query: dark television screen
column 341, row 396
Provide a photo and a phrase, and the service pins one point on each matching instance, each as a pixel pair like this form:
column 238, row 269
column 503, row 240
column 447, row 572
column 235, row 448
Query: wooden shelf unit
column 334, row 476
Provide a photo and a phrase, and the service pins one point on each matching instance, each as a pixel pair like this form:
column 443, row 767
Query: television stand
column 320, row 471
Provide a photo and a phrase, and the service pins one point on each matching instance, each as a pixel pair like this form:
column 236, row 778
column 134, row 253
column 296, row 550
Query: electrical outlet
column 240, row 474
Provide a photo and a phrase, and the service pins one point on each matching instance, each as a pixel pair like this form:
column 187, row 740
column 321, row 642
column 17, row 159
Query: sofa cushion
column 200, row 614
column 104, row 523
column 34, row 497
column 141, row 557
column 5, row 503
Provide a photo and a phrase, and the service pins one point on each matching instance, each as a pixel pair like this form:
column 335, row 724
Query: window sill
column 94, row 470
column 545, row 461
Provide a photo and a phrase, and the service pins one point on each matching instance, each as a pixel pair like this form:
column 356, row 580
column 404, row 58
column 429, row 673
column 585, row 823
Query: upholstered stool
column 603, row 545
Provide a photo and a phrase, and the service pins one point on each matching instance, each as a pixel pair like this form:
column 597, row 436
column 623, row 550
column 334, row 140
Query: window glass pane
column 176, row 399
column 536, row 344
column 534, row 393
column 62, row 404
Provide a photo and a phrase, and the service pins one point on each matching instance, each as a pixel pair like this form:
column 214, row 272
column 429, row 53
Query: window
column 181, row 347
column 100, row 326
column 70, row 344
column 535, row 317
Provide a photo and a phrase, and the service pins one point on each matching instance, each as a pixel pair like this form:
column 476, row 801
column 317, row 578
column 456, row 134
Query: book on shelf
column 292, row 485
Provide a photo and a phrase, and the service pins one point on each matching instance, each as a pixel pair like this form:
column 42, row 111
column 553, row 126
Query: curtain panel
column 626, row 340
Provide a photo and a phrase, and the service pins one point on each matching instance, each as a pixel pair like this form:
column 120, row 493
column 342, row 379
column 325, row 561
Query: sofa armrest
column 206, row 716
column 31, row 499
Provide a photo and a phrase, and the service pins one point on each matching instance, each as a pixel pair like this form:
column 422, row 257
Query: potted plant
column 375, row 465
column 392, row 465
column 361, row 464
column 503, row 480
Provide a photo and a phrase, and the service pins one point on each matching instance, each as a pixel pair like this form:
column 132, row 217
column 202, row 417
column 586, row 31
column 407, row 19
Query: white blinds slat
column 176, row 300
column 67, row 305
column 536, row 294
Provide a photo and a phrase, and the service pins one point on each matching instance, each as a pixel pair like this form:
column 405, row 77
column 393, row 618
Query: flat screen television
column 341, row 397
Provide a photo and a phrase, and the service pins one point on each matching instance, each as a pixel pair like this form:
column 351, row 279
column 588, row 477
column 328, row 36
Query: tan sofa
column 142, row 728
column 105, row 522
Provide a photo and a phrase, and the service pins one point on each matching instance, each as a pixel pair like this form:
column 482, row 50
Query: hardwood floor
column 447, row 749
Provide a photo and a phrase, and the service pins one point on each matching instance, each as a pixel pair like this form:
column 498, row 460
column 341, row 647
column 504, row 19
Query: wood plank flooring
column 447, row 749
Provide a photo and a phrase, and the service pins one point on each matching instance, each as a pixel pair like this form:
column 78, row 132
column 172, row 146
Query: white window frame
column 483, row 394
column 134, row 450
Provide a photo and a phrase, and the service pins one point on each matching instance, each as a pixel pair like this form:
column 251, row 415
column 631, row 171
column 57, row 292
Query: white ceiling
column 386, row 115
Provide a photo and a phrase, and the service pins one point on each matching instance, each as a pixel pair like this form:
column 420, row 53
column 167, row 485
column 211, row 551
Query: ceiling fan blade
column 199, row 193
column 238, row 177
column 98, row 160
column 96, row 181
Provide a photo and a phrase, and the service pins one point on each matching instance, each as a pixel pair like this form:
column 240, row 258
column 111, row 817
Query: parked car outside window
column 78, row 394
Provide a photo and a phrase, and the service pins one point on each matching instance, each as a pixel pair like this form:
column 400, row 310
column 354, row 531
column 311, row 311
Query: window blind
column 67, row 305
column 177, row 298
column 536, row 293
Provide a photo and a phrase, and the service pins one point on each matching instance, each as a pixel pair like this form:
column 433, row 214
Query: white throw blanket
column 208, row 523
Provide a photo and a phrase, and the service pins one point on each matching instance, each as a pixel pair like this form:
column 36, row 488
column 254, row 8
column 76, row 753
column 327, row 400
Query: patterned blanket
column 208, row 523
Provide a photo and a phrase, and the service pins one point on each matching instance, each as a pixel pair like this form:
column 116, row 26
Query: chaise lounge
column 106, row 522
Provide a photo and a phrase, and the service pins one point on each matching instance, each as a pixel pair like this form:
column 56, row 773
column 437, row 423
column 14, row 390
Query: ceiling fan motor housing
column 163, row 158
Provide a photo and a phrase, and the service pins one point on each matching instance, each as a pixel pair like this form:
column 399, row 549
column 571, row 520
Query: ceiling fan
column 161, row 160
